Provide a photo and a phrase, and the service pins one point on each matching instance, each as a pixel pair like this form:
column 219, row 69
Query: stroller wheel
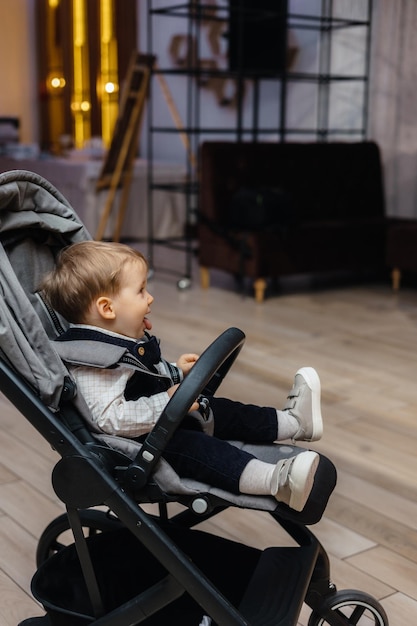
column 57, row 535
column 354, row 607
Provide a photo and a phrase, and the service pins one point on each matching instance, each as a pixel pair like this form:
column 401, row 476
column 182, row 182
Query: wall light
column 110, row 87
column 56, row 82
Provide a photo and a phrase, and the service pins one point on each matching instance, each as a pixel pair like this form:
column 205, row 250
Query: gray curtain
column 393, row 100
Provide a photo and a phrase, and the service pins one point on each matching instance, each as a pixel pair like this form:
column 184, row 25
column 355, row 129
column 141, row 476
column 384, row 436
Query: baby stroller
column 125, row 565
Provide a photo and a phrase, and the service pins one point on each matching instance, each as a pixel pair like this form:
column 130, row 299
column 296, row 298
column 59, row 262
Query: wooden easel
column 117, row 168
column 177, row 119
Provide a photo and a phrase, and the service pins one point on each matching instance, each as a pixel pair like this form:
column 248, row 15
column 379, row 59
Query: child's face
column 132, row 303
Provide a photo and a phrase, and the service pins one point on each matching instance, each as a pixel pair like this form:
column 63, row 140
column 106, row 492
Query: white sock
column 256, row 478
column 287, row 425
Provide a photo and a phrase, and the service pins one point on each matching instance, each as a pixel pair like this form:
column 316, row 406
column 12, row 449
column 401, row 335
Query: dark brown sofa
column 335, row 192
column 401, row 249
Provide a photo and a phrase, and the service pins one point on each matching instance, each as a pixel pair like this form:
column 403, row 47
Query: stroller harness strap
column 146, row 351
column 75, row 346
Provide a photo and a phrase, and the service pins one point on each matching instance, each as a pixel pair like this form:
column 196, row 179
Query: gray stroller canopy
column 36, row 221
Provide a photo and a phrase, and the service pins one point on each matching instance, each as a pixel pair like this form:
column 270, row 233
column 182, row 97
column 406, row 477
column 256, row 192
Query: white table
column 75, row 177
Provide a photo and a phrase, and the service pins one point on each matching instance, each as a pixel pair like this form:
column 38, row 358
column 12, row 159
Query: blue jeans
column 213, row 460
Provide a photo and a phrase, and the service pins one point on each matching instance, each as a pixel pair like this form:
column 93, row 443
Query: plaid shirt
column 104, row 392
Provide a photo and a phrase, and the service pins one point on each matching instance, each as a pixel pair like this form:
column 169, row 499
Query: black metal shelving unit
column 194, row 15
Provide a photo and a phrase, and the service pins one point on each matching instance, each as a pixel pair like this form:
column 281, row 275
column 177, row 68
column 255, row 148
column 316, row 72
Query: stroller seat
column 181, row 580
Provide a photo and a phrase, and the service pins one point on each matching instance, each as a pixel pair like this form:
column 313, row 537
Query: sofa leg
column 396, row 278
column 259, row 287
column 204, row 277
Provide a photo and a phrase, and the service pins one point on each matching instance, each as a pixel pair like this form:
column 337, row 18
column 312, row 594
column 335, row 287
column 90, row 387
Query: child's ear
column 104, row 307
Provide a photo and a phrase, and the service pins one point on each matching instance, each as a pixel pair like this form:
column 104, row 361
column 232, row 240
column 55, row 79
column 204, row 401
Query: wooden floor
column 363, row 342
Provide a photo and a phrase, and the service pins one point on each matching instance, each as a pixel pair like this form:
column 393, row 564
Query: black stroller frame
column 133, row 567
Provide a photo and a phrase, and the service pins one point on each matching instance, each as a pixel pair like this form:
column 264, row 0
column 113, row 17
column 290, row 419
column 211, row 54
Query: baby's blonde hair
column 85, row 271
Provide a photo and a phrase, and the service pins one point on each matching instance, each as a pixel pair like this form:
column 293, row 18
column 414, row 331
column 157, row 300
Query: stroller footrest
column 276, row 591
column 36, row 621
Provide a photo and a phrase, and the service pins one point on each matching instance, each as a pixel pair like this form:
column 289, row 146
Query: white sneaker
column 304, row 404
column 293, row 478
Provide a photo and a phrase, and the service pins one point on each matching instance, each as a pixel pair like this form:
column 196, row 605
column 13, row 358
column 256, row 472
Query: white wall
column 346, row 99
column 18, row 93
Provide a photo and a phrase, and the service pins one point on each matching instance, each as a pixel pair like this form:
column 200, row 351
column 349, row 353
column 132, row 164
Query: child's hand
column 186, row 361
column 173, row 389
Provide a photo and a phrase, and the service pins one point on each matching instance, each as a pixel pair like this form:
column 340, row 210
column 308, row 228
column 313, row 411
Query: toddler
column 101, row 290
